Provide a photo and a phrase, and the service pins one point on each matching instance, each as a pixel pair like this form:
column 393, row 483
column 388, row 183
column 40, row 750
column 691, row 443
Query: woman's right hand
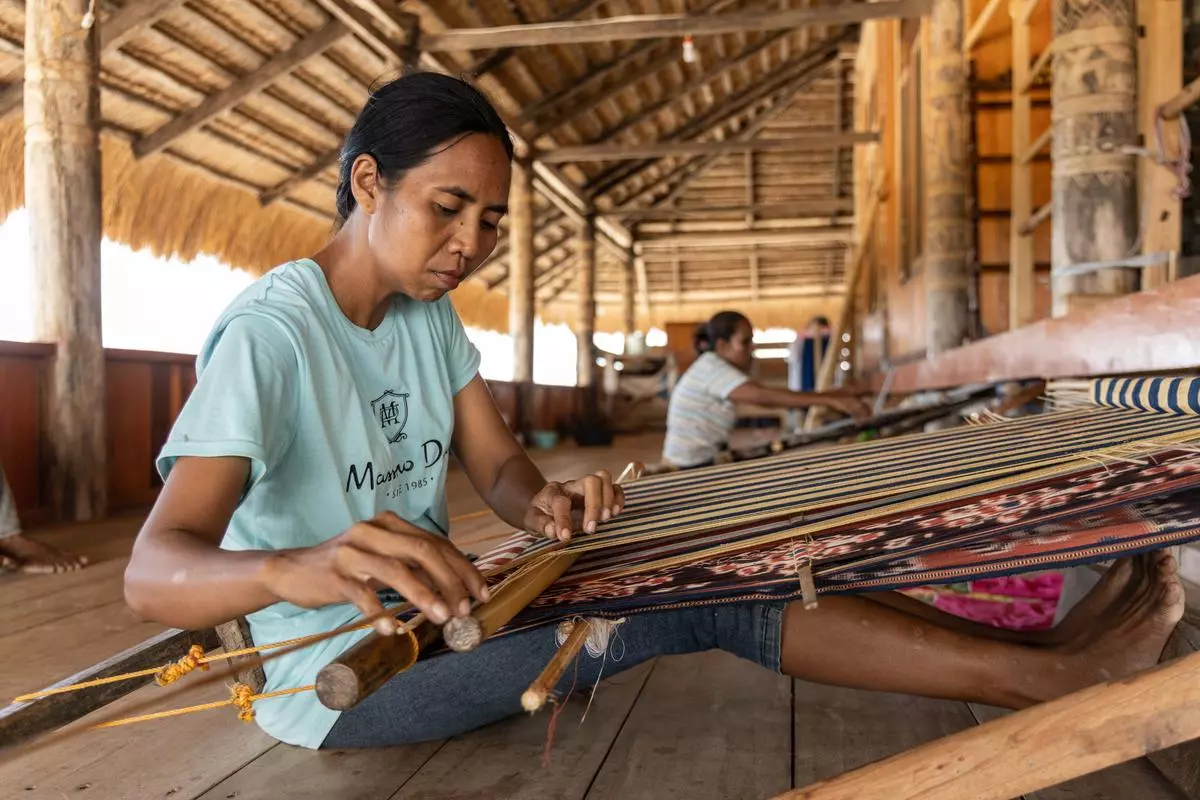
column 426, row 570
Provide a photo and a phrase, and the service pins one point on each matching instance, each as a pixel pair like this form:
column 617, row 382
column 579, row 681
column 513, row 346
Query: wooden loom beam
column 23, row 721
column 1038, row 747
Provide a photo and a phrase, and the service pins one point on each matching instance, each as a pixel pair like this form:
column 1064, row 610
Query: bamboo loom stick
column 539, row 691
column 363, row 669
column 1039, row 747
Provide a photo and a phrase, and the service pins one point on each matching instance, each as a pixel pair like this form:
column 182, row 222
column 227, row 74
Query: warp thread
column 600, row 633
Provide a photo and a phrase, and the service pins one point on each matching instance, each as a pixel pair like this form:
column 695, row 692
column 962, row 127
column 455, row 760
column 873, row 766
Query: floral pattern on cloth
column 1092, row 515
column 1016, row 603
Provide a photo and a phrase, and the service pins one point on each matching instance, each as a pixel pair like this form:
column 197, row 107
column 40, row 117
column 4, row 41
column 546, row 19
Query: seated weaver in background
column 18, row 551
column 306, row 474
column 702, row 412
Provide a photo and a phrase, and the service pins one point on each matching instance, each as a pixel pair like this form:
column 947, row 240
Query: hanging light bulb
column 689, row 50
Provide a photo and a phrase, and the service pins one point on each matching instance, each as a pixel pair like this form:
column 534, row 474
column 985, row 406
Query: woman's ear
column 364, row 183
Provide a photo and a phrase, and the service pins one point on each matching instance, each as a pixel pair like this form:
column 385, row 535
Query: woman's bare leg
column 853, row 642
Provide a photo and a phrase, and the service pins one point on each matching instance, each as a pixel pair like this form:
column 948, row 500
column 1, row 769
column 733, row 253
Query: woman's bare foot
column 1127, row 638
column 28, row 555
column 1081, row 620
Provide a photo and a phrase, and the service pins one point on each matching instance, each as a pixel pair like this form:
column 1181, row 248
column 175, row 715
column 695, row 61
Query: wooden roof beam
column 652, row 26
column 622, row 152
column 114, row 32
column 311, row 45
column 669, row 55
column 798, row 208
column 720, row 69
column 769, row 254
column 693, row 169
column 733, row 225
column 495, row 59
column 829, row 235
column 666, row 296
column 801, row 68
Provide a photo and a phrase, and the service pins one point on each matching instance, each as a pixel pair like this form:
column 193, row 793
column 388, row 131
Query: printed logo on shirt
column 390, row 409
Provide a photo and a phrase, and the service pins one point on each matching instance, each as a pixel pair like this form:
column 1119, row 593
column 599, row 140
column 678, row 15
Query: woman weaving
column 702, row 412
column 307, row 473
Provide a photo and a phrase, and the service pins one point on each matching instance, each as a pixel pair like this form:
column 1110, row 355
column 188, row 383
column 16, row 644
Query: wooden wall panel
column 993, row 299
column 895, row 301
column 145, row 392
column 130, row 456
column 22, row 371
column 1140, row 332
column 992, row 241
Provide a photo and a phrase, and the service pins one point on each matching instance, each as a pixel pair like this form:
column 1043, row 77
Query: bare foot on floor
column 1079, row 622
column 28, row 555
column 1129, row 637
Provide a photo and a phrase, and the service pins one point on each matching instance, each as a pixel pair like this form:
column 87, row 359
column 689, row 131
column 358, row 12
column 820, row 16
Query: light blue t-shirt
column 339, row 423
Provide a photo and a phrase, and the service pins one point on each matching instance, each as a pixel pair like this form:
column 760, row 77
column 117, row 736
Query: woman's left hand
column 562, row 508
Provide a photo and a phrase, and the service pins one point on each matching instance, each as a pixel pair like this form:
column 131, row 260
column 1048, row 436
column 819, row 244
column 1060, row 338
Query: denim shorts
column 454, row 693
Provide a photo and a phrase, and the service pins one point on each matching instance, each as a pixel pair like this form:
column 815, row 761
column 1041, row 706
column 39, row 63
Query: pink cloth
column 1015, row 602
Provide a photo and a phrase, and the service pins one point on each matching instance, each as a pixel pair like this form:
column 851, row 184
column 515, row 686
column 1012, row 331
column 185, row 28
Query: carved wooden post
column 585, row 328
column 1094, row 95
column 947, row 224
column 520, row 289
column 62, row 194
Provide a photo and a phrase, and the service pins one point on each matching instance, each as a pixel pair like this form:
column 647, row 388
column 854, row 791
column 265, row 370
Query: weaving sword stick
column 363, row 669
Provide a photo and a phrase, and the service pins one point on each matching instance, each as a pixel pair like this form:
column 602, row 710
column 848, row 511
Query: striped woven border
column 1162, row 395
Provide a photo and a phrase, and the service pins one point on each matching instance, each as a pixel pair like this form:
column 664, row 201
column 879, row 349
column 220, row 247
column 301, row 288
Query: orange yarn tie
column 243, row 700
column 173, row 672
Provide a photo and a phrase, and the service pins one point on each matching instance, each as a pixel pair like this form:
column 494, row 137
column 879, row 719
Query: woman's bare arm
column 498, row 467
column 178, row 575
column 512, row 485
column 751, row 392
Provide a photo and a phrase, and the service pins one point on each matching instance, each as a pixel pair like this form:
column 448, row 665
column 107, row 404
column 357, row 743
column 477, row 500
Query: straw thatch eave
column 252, row 182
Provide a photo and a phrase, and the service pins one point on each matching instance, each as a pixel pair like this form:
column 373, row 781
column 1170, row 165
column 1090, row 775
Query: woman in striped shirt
column 702, row 411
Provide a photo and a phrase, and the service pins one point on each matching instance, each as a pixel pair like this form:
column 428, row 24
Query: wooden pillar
column 1094, row 213
column 1160, row 78
column 1021, row 273
column 628, row 311
column 585, row 327
column 520, row 289
column 947, row 225
column 62, row 195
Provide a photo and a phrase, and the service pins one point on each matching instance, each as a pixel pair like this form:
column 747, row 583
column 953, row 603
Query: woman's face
column 737, row 349
column 439, row 222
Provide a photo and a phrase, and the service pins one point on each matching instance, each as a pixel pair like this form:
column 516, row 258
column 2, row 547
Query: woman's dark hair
column 405, row 120
column 723, row 325
column 700, row 339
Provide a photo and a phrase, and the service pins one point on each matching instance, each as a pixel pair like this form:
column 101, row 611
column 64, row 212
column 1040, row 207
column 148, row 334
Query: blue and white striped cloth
column 1164, row 395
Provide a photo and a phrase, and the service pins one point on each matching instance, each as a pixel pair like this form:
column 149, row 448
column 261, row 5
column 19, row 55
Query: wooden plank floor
column 697, row 727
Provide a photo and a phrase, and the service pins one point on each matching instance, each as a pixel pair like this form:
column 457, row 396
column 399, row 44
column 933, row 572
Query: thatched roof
column 253, row 183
